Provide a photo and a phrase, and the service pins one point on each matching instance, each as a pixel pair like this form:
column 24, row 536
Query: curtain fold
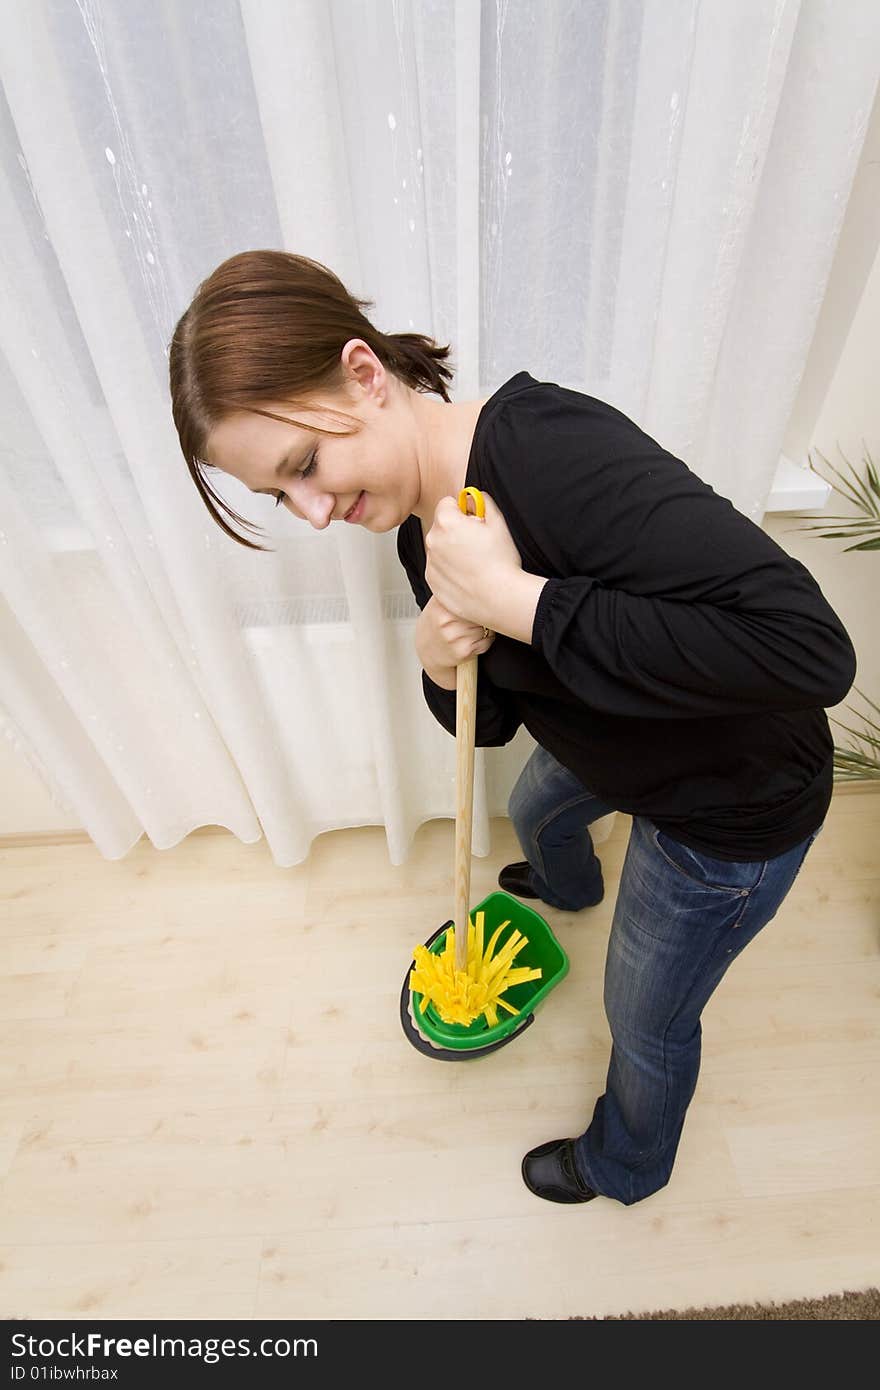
column 639, row 200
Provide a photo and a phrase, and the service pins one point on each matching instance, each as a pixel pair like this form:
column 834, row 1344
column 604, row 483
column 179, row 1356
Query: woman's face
column 369, row 478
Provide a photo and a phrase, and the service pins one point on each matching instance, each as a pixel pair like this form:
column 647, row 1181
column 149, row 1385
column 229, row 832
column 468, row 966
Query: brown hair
column 265, row 326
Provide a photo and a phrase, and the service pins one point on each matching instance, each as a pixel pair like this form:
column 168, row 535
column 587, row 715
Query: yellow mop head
column 460, row 996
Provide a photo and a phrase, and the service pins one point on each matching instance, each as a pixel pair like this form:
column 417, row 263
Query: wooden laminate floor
column 208, row 1107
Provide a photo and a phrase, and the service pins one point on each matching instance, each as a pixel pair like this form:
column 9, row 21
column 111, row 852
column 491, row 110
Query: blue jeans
column 681, row 918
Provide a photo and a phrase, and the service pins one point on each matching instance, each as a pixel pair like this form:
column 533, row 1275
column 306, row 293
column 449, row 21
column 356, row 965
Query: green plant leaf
column 868, row 701
column 852, row 522
column 845, row 774
column 845, row 536
column 868, row 502
column 843, row 491
column 860, row 494
column 864, row 545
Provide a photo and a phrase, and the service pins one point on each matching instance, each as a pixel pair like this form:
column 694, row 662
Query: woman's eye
column 304, row 473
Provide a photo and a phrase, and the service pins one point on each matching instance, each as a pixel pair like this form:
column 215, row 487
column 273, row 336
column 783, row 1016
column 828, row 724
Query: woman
column 668, row 658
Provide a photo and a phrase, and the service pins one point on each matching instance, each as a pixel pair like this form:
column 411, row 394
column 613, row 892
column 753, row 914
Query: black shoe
column 517, row 878
column 549, row 1171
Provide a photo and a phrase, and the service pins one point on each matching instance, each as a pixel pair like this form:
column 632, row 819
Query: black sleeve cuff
column 544, row 601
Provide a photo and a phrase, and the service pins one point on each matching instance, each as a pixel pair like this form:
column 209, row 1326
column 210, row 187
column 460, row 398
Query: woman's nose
column 317, row 508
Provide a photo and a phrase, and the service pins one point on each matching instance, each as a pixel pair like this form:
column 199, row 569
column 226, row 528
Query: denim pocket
column 736, row 877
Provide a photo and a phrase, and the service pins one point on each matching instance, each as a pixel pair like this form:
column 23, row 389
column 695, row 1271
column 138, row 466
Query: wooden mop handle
column 465, row 738
column 465, row 730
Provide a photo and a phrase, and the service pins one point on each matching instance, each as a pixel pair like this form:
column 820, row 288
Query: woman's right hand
column 443, row 641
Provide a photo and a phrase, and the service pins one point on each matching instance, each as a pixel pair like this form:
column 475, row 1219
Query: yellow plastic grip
column 479, row 504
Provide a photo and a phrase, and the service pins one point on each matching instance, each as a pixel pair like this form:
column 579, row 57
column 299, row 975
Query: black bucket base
column 446, row 1054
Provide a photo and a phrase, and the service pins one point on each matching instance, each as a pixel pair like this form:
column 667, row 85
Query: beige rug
column 863, row 1306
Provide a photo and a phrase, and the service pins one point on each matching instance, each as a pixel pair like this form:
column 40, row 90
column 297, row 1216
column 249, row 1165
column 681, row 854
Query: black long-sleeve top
column 680, row 661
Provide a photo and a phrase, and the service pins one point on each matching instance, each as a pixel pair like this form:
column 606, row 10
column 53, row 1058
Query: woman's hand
column 470, row 561
column 443, row 641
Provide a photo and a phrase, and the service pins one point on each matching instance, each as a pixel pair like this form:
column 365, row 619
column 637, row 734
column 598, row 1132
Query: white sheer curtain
column 638, row 199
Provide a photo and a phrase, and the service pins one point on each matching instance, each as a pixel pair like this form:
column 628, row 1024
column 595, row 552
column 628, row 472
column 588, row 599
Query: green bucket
column 541, row 951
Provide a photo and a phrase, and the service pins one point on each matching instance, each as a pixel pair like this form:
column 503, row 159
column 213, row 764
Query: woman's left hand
column 469, row 560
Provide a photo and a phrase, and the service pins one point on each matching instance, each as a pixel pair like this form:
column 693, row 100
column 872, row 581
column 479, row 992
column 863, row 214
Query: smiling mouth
column 354, row 506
